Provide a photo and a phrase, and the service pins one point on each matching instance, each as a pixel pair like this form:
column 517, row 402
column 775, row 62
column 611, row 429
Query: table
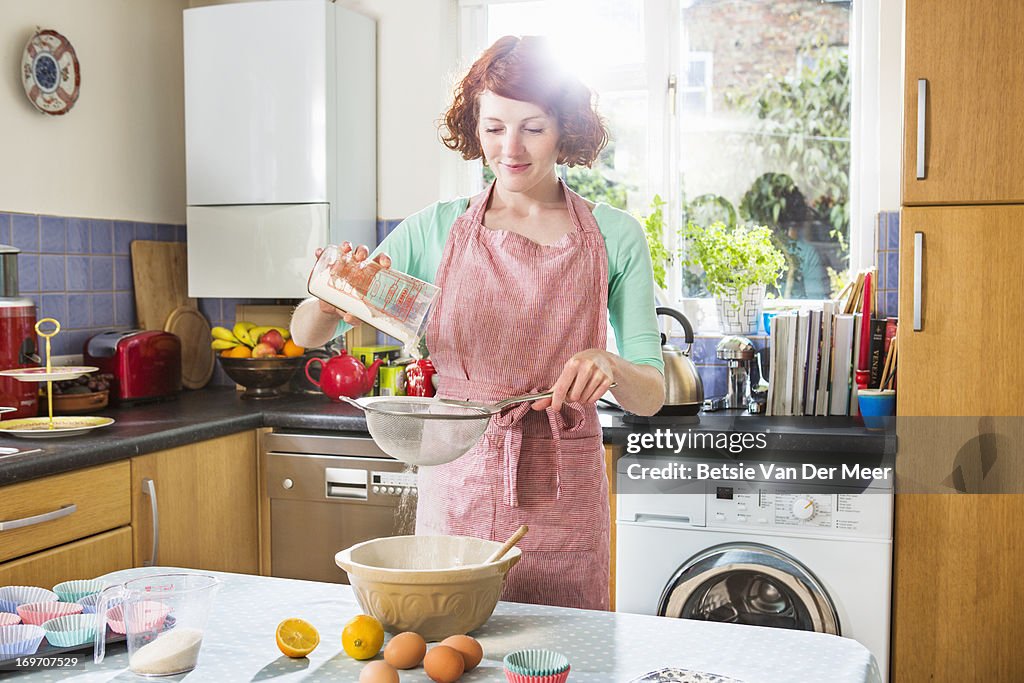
column 604, row 647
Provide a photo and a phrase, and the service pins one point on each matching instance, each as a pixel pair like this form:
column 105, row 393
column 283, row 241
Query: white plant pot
column 742, row 316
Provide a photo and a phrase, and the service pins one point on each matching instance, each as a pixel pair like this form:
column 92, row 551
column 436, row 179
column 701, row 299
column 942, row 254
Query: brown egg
column 405, row 650
column 444, row 664
column 468, row 647
column 378, row 672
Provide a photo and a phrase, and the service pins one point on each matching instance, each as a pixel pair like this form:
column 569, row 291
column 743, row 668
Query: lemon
column 362, row 637
column 297, row 637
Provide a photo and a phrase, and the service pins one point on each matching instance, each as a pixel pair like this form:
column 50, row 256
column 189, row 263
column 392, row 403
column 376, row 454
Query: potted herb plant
column 739, row 263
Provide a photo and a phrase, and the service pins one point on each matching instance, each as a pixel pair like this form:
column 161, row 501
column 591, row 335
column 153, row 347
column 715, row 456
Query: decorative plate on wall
column 50, row 73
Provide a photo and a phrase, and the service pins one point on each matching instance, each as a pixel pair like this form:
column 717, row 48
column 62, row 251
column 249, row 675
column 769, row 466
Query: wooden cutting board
column 160, row 275
column 197, row 358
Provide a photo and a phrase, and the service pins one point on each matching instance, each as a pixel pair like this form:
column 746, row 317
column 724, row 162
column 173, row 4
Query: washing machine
column 761, row 553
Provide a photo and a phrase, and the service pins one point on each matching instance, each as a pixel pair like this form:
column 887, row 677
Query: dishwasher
column 328, row 491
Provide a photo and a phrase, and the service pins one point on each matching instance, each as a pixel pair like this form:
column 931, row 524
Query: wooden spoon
column 513, row 539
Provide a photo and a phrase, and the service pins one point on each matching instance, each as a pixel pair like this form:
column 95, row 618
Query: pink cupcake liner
column 8, row 619
column 37, row 612
column 150, row 614
column 513, row 677
column 20, row 640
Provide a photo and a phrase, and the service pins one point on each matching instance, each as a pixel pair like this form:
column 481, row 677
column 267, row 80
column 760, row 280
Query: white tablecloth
column 602, row 646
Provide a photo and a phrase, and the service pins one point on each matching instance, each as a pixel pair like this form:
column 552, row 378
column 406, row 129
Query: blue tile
column 103, row 273
column 381, row 230
column 703, row 348
column 145, row 231
column 25, row 231
column 213, row 310
column 53, row 234
column 124, row 309
column 78, row 236
column 5, row 228
column 124, row 235
column 102, row 309
column 54, row 306
column 75, row 340
column 714, row 379
column 892, row 305
column 28, row 273
column 180, row 233
column 881, row 222
column 166, row 233
column 122, row 273
column 78, row 273
column 51, row 268
column 79, row 311
column 892, row 269
column 894, row 230
column 102, row 235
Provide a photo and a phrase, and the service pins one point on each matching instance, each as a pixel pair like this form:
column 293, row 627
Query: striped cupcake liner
column 38, row 612
column 148, row 615
column 73, row 591
column 536, row 666
column 74, row 629
column 8, row 619
column 91, row 602
column 13, row 596
column 20, row 640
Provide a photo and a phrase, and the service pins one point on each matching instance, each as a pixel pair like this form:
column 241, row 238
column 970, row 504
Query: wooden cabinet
column 957, row 556
column 93, row 556
column 196, row 505
column 968, row 53
column 611, row 456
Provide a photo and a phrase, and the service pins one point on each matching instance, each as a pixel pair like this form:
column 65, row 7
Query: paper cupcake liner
column 38, row 612
column 534, row 663
column 74, row 629
column 513, row 677
column 8, row 619
column 12, row 596
column 72, row 591
column 90, row 602
column 20, row 640
column 150, row 614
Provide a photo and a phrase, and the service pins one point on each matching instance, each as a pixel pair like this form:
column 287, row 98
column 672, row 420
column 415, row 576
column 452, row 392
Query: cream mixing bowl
column 437, row 586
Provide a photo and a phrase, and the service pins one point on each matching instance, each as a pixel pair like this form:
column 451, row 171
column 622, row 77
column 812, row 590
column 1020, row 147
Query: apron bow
column 510, row 422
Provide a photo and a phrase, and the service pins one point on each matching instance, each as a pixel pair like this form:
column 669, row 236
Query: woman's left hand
column 584, row 378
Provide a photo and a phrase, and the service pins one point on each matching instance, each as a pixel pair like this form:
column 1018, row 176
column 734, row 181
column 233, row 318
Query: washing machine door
column 749, row 583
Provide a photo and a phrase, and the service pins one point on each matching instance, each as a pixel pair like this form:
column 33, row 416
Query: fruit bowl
column 262, row 377
column 433, row 585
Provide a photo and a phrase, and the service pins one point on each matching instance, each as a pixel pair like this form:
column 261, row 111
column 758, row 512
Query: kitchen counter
column 200, row 415
column 601, row 646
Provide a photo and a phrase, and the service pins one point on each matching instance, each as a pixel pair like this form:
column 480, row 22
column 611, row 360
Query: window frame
column 663, row 47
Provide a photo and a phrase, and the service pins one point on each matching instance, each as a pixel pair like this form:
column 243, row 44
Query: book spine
column 877, row 351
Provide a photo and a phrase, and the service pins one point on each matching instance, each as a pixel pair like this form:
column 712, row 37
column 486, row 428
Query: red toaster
column 146, row 364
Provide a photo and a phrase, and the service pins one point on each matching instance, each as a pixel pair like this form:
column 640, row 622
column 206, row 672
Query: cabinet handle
column 922, row 124
column 149, row 488
column 63, row 511
column 918, row 272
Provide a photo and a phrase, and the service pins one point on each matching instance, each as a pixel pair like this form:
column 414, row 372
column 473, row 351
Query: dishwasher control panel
column 393, row 483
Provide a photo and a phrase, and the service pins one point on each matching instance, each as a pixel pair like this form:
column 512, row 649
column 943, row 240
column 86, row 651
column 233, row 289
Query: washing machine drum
column 749, row 583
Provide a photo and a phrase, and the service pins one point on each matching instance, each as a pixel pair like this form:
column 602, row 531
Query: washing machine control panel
column 732, row 505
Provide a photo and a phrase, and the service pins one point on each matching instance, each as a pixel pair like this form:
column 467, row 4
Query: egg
column 444, row 664
column 468, row 647
column 378, row 672
column 405, row 650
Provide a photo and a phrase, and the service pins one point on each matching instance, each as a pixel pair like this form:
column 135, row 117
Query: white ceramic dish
column 56, row 374
column 63, row 425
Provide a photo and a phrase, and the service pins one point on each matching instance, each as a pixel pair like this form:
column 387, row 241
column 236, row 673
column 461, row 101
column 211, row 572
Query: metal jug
column 684, row 389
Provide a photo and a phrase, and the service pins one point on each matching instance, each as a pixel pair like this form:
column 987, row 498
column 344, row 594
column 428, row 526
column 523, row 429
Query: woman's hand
column 584, row 379
column 359, row 254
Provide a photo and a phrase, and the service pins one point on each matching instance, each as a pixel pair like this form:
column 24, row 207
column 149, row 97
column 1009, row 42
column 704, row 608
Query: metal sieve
column 420, row 430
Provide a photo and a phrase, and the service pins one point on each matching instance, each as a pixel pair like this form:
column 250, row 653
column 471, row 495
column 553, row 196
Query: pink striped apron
column 510, row 314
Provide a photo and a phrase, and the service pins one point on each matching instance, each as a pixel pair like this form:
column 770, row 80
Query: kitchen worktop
column 601, row 646
column 209, row 413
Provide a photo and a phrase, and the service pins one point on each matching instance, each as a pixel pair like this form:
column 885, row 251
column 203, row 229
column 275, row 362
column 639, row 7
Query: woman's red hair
column 524, row 69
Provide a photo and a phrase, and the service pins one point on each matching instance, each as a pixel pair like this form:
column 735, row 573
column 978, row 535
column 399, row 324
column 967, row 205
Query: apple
column 262, row 350
column 273, row 338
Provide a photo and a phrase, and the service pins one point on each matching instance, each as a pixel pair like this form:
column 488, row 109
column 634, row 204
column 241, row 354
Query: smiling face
column 519, row 141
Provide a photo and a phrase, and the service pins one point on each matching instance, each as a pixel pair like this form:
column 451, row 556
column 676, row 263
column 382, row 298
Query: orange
column 293, row 349
column 240, row 351
column 362, row 637
column 297, row 637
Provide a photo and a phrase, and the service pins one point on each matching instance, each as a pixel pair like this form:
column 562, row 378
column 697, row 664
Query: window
column 732, row 110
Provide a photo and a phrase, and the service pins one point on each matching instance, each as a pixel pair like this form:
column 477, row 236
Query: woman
column 529, row 273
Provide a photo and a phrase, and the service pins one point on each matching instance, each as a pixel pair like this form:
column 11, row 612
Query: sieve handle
column 352, row 402
column 500, row 405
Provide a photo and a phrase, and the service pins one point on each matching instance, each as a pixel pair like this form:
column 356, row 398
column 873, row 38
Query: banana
column 222, row 344
column 223, row 333
column 241, row 332
column 257, row 332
